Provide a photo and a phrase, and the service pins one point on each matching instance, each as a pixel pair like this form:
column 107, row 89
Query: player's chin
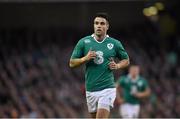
column 111, row 68
column 98, row 33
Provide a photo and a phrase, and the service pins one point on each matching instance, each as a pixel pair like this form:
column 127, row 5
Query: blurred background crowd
column 36, row 81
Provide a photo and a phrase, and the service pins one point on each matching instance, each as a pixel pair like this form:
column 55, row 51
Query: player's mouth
column 98, row 30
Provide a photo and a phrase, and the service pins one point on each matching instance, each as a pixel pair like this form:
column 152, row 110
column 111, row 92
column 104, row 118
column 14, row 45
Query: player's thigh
column 102, row 113
column 92, row 102
column 105, row 103
column 129, row 111
column 107, row 97
column 93, row 114
column 136, row 111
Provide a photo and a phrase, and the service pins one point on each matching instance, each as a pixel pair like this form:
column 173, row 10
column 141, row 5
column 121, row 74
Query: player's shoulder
column 114, row 40
column 123, row 77
column 86, row 39
column 142, row 79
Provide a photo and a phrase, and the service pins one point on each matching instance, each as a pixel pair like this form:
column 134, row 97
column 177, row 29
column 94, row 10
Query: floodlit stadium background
column 37, row 38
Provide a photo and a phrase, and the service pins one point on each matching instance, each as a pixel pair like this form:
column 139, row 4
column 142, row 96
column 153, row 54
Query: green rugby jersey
column 98, row 76
column 129, row 87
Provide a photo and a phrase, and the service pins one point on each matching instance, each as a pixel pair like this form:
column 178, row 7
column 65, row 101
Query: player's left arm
column 120, row 54
column 120, row 65
column 146, row 90
column 144, row 94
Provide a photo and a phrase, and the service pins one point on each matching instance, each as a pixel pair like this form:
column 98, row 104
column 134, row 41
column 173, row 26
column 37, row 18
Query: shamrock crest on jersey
column 99, row 57
column 110, row 46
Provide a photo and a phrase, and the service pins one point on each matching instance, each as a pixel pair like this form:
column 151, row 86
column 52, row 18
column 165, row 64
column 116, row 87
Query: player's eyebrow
column 97, row 22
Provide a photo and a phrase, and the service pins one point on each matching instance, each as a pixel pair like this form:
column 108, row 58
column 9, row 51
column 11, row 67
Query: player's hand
column 90, row 55
column 112, row 64
column 119, row 101
column 137, row 95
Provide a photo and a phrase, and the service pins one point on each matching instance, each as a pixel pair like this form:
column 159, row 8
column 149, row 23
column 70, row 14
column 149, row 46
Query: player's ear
column 107, row 26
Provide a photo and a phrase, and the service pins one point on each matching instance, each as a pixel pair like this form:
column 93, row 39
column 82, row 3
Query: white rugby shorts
column 100, row 99
column 129, row 110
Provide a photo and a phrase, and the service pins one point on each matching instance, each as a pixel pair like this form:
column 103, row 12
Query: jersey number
column 99, row 57
column 134, row 90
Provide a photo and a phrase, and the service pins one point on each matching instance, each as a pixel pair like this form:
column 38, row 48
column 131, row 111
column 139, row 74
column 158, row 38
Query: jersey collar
column 97, row 40
column 133, row 80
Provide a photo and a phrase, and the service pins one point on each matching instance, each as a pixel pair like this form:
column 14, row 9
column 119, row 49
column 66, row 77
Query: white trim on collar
column 133, row 80
column 97, row 40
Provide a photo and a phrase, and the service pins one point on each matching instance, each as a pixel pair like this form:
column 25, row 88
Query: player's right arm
column 119, row 99
column 79, row 56
column 74, row 62
column 119, row 90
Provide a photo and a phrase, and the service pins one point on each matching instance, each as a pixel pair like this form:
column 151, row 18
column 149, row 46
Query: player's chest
column 106, row 49
column 134, row 86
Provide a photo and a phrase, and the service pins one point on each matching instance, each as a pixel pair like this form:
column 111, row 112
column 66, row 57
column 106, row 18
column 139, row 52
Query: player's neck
column 100, row 38
column 133, row 77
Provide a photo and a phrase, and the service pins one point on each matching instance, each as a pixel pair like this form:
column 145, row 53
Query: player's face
column 100, row 26
column 134, row 71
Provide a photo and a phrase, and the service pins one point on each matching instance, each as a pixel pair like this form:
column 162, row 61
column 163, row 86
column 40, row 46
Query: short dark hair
column 103, row 15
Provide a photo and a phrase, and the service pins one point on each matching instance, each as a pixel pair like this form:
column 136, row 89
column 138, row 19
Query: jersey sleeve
column 121, row 53
column 78, row 50
column 121, row 81
column 145, row 84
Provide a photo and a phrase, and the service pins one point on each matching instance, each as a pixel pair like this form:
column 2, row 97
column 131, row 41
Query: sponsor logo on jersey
column 110, row 46
column 87, row 41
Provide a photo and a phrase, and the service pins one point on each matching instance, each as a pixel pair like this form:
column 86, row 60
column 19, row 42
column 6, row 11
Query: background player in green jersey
column 131, row 89
column 97, row 52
